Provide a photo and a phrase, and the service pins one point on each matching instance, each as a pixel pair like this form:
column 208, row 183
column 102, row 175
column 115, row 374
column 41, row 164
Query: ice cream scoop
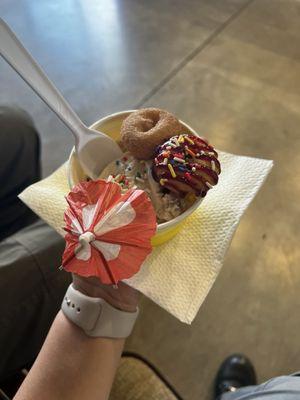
column 131, row 173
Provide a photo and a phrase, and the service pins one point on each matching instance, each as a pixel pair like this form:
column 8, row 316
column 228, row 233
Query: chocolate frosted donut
column 186, row 164
column 143, row 130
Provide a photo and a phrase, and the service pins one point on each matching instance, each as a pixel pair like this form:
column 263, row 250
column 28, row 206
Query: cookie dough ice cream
column 171, row 165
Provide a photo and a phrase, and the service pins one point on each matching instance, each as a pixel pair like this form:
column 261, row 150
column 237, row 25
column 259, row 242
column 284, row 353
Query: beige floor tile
column 242, row 91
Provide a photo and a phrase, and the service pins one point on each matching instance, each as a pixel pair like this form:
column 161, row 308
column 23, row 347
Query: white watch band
column 96, row 317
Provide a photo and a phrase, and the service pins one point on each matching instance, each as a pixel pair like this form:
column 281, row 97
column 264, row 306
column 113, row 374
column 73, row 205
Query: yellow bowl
column 111, row 125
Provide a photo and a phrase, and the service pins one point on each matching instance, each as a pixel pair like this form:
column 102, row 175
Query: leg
column 234, row 373
column 236, row 380
column 31, row 290
column 31, row 286
column 19, row 167
column 280, row 388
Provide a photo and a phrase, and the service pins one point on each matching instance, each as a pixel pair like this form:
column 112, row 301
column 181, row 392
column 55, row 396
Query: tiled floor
column 105, row 56
column 231, row 69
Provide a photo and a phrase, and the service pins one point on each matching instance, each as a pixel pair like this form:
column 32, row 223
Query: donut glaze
column 186, row 164
column 143, row 130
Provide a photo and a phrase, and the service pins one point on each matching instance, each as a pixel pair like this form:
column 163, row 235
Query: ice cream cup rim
column 160, row 227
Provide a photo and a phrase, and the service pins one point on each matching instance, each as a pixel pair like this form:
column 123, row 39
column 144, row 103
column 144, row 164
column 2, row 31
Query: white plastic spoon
column 94, row 149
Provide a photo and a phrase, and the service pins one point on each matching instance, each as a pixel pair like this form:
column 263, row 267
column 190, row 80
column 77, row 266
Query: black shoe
column 235, row 372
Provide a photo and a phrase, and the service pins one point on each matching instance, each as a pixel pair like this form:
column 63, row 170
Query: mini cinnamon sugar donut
column 143, row 130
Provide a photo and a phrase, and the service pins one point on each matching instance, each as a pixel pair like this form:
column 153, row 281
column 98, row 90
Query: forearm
column 72, row 365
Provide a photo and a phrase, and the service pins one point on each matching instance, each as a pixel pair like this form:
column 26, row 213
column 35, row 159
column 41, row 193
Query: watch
column 96, row 317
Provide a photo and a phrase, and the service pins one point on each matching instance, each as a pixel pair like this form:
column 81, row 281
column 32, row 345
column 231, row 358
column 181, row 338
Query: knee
column 17, row 123
column 15, row 115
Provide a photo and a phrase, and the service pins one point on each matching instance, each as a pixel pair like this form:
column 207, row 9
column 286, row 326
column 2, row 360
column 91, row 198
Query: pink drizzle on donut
column 194, row 165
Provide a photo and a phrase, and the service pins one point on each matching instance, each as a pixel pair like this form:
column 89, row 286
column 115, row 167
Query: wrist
column 123, row 298
column 96, row 316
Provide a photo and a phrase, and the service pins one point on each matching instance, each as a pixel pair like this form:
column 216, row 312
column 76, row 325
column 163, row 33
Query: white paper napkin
column 179, row 274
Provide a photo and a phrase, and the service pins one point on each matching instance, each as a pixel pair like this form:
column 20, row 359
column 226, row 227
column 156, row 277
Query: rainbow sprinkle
column 176, row 141
column 180, row 160
column 163, row 181
column 172, row 171
column 189, row 140
column 179, row 155
column 188, row 176
column 190, row 152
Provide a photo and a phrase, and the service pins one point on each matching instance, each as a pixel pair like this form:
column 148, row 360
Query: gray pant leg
column 31, row 286
column 31, row 291
column 19, row 167
column 280, row 388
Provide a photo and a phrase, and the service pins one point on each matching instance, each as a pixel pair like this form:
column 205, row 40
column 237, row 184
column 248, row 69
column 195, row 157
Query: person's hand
column 124, row 297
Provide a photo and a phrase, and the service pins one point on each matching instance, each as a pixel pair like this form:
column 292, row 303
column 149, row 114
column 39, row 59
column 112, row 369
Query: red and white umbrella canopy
column 108, row 234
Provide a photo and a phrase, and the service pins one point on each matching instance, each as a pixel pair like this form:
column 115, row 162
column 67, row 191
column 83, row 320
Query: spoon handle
column 12, row 50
